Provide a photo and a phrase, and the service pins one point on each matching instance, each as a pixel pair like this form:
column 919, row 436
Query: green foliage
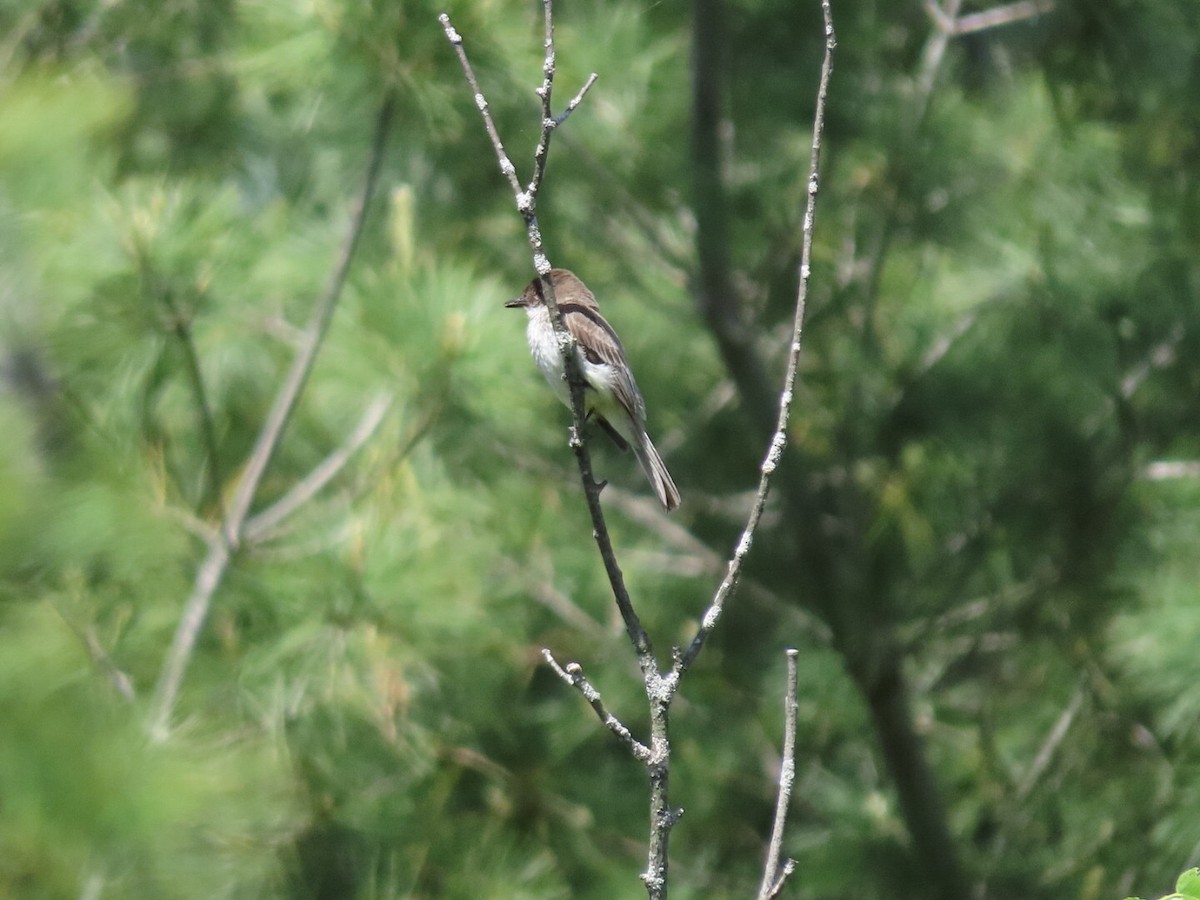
column 1186, row 888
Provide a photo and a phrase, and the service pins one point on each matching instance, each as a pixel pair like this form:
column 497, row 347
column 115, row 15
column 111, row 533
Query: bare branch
column 260, row 525
column 1002, row 15
column 784, row 874
column 656, row 757
column 1052, row 742
column 549, row 120
column 100, row 658
column 576, row 100
column 573, row 675
column 935, row 49
column 1164, row 469
column 223, row 546
column 779, row 441
column 773, row 877
column 660, row 688
column 507, row 169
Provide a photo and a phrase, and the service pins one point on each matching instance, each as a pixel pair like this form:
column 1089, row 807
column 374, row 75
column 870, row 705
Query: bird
column 611, row 395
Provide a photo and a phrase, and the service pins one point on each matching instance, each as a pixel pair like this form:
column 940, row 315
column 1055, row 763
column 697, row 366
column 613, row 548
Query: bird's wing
column 600, row 344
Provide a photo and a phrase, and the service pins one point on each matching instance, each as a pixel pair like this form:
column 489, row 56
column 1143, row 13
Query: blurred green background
column 976, row 543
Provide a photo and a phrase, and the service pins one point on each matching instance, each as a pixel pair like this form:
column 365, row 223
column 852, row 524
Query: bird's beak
column 514, row 303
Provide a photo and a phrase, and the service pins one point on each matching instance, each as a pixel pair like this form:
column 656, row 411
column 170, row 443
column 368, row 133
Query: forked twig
column 573, row 675
column 260, row 524
column 223, row 545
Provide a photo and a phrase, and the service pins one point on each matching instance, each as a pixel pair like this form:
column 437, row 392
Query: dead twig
column 223, row 545
column 259, row 526
column 779, row 441
column 774, row 877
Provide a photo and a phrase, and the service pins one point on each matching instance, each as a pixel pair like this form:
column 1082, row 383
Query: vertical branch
column 225, row 543
column 773, row 876
column 213, row 477
column 779, row 440
column 916, row 788
column 662, row 816
column 658, row 694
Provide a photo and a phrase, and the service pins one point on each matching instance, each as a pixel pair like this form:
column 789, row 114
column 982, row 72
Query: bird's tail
column 656, row 472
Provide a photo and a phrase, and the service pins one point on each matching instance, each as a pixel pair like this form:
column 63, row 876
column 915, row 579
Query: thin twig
column 1001, row 15
column 773, row 877
column 121, row 682
column 208, row 432
column 573, row 675
column 779, row 441
column 935, row 49
column 784, row 874
column 576, row 100
column 1053, row 740
column 507, row 169
column 259, row 525
column 221, row 549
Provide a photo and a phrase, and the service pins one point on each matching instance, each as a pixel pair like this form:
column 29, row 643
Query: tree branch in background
column 931, row 58
column 258, row 526
column 952, row 25
column 100, row 658
column 226, row 543
column 179, row 325
column 214, row 478
column 714, row 285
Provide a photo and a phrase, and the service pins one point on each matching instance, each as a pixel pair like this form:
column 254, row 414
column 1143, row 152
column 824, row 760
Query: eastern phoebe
column 612, row 396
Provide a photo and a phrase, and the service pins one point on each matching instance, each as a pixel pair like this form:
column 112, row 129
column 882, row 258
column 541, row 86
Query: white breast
column 543, row 344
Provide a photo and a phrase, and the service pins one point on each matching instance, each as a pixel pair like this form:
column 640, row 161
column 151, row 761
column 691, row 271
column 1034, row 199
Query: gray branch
column 779, row 441
column 775, row 877
column 260, row 525
column 573, row 675
column 223, row 545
